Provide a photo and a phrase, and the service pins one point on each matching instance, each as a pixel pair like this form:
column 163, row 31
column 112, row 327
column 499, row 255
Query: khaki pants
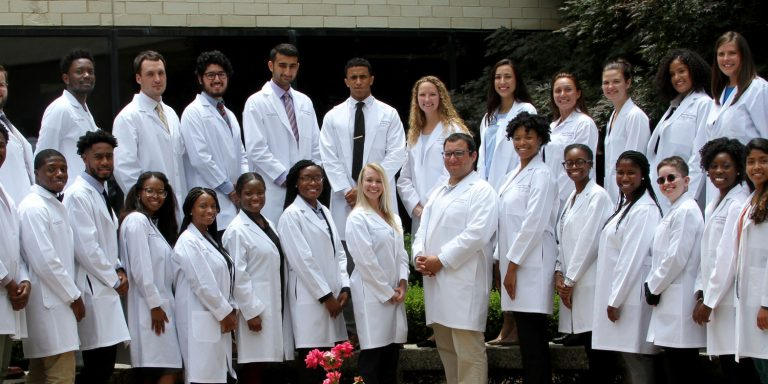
column 463, row 355
column 56, row 369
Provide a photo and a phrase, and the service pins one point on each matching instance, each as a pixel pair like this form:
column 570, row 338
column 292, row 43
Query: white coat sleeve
column 757, row 107
column 481, row 148
column 638, row 132
column 54, row 119
column 542, row 199
column 639, row 228
column 408, row 194
column 298, row 251
column 88, row 252
column 256, row 146
column 405, row 270
column 127, row 167
column 683, row 237
column 395, row 152
column 585, row 249
column 361, row 248
column 724, row 272
column 481, row 223
column 316, row 155
column 235, row 240
column 341, row 254
column 333, row 160
column 200, row 154
column 135, row 235
column 189, row 256
column 695, row 173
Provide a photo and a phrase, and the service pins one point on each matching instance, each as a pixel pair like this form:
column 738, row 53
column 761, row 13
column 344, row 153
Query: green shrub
column 414, row 311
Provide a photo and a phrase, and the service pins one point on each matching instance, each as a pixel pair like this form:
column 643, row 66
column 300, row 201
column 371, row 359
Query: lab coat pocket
column 263, row 291
column 204, row 327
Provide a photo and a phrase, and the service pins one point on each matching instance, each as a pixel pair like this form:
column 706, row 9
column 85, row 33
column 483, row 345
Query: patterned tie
column 106, row 201
column 358, row 141
column 223, row 113
column 288, row 103
column 161, row 115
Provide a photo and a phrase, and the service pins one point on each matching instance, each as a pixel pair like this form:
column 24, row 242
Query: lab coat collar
column 277, row 103
column 253, row 227
column 44, row 193
column 534, row 163
column 73, row 101
column 311, row 216
column 680, row 200
column 352, row 103
column 456, row 192
column 145, row 102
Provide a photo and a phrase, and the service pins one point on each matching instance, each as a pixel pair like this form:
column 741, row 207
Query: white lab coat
column 505, row 158
column 12, row 266
column 215, row 155
column 528, row 205
column 47, row 247
column 751, row 285
column 676, row 256
column 203, row 298
column 317, row 265
column 258, row 293
column 144, row 145
column 17, row 172
column 674, row 135
column 717, row 272
column 622, row 266
column 458, row 226
column 64, row 121
column 578, row 234
column 384, row 144
column 380, row 263
column 148, row 261
column 270, row 146
column 631, row 131
column 577, row 128
column 95, row 234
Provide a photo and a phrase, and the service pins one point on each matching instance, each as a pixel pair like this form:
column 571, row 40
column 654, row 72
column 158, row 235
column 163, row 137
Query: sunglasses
column 669, row 179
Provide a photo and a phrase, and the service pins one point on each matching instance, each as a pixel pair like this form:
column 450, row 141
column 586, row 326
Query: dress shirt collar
column 352, row 102
column 99, row 186
column 214, row 102
column 279, row 92
column 73, row 100
column 147, row 102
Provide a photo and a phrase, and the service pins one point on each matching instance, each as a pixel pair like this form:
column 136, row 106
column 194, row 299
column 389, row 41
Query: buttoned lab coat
column 17, row 172
column 384, row 144
column 578, row 233
column 505, row 158
column 203, row 298
column 148, row 261
column 751, row 286
column 12, row 266
column 622, row 266
column 144, row 145
column 215, row 154
column 458, row 227
column 47, row 247
column 676, row 258
column 577, row 128
column 423, row 170
column 258, row 293
column 95, row 235
column 631, row 131
column 270, row 146
column 528, row 204
column 718, row 269
column 317, row 265
column 380, row 263
column 64, row 121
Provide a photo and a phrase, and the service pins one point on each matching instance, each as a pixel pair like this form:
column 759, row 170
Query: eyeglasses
column 213, row 75
column 457, row 154
column 669, row 179
column 578, row 163
column 155, row 192
column 308, row 179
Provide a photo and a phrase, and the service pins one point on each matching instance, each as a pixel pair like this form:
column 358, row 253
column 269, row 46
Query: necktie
column 288, row 103
column 60, row 197
column 223, row 113
column 5, row 122
column 106, row 201
column 161, row 115
column 358, row 141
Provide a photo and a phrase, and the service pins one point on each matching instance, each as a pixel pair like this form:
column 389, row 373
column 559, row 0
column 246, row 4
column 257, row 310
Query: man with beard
column 100, row 276
column 215, row 156
column 17, row 174
column 68, row 117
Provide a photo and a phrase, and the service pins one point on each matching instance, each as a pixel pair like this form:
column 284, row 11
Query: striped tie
column 288, row 103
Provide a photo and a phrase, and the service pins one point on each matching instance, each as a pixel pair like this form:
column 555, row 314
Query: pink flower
column 332, row 377
column 344, row 350
column 314, row 357
column 330, row 361
column 359, row 380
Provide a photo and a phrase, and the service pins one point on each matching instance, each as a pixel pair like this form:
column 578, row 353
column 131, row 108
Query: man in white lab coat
column 17, row 174
column 215, row 155
column 148, row 131
column 453, row 250
column 100, row 276
column 68, row 117
column 55, row 304
column 280, row 128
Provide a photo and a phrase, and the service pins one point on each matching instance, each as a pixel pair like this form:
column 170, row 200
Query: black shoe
column 427, row 344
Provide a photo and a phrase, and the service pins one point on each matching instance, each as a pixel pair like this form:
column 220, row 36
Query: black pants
column 742, row 372
column 306, row 375
column 98, row 365
column 379, row 365
column 534, row 347
column 603, row 365
column 675, row 358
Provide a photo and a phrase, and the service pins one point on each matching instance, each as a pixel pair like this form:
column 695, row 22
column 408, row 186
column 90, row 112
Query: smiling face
column 680, row 76
column 527, row 143
column 152, row 195
column 428, row 98
column 373, row 186
column 504, row 81
column 99, row 161
column 204, row 211
column 672, row 189
column 152, row 79
column 722, row 172
column 81, row 77
column 629, row 177
column 253, row 196
column 284, row 69
column 615, row 86
column 460, row 162
column 729, row 60
column 52, row 174
column 310, row 183
column 757, row 168
column 566, row 95
column 214, row 80
column 578, row 164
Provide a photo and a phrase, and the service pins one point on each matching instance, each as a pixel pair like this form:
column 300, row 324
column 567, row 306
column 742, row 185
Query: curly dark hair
column 759, row 210
column 90, row 138
column 166, row 215
column 213, row 57
column 639, row 160
column 537, row 123
column 291, row 182
column 697, row 68
column 493, row 100
column 73, row 55
column 734, row 148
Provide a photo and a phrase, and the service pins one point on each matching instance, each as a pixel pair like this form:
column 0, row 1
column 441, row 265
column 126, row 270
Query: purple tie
column 288, row 103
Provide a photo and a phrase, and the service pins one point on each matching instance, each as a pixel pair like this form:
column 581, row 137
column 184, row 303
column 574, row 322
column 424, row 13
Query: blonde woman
column 431, row 120
column 380, row 278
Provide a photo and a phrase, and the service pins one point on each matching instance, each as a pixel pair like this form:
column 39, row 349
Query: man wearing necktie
column 16, row 175
column 215, row 156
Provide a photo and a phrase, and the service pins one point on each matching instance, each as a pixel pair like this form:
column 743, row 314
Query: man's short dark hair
column 461, row 136
column 284, row 49
column 73, row 55
column 213, row 57
column 94, row 137
column 146, row 55
column 46, row 154
column 358, row 62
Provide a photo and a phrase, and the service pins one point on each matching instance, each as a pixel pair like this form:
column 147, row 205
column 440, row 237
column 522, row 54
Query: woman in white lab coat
column 572, row 125
column 724, row 160
column 380, row 278
column 263, row 334
column 682, row 80
column 752, row 266
column 148, row 231
column 621, row 317
column 526, row 249
column 431, row 120
column 669, row 286
column 578, row 231
column 318, row 283
column 205, row 309
column 628, row 127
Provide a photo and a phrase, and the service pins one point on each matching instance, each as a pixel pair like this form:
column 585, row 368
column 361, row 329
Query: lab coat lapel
column 277, row 105
column 149, row 111
column 457, row 192
column 372, row 127
column 312, row 218
column 256, row 230
column 98, row 200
